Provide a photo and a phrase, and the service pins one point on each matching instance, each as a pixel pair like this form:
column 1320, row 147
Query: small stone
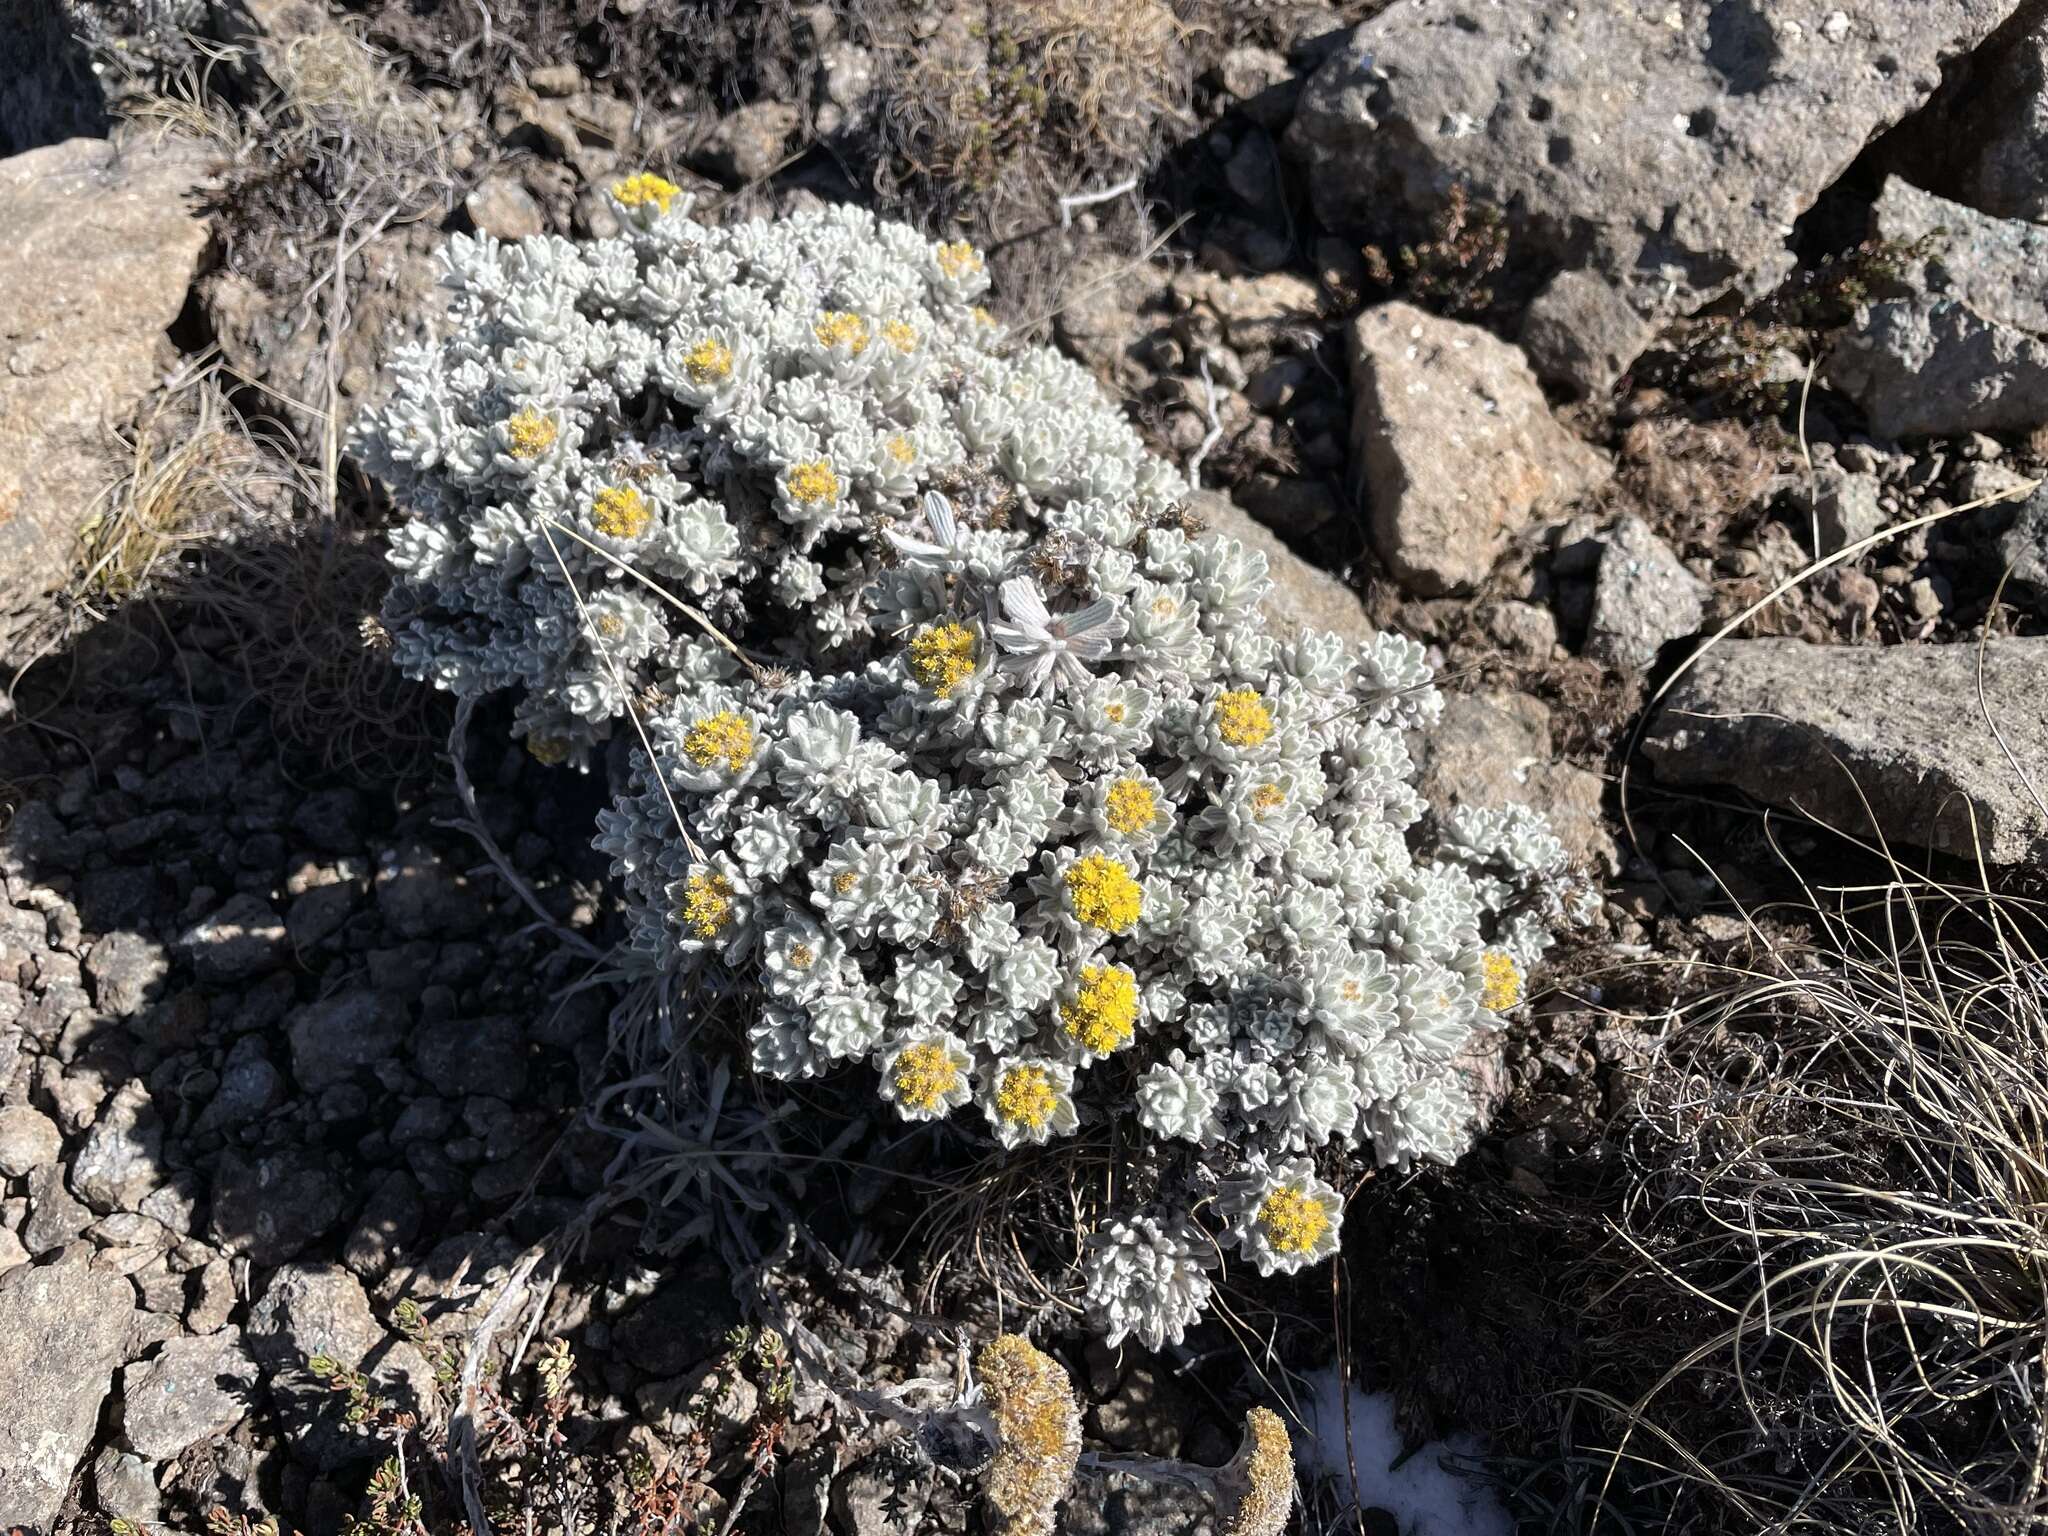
column 332, row 819
column 461, row 1057
column 125, row 1487
column 241, row 941
column 125, row 970
column 2023, row 547
column 503, row 209
column 212, row 1293
column 191, row 1390
column 420, row 897
column 389, row 1225
column 748, row 143
column 11, row 1250
column 121, row 1159
column 318, row 914
column 1147, row 1413
column 272, row 1205
column 1289, row 504
column 29, row 1140
column 1643, row 598
column 886, row 1493
column 1847, row 508
column 250, row 1086
column 54, row 1217
column 341, row 1035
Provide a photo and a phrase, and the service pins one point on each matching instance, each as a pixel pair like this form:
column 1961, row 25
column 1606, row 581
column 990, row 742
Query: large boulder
column 1829, row 730
column 1996, row 134
column 1653, row 155
column 99, row 249
column 62, row 1331
column 1455, row 445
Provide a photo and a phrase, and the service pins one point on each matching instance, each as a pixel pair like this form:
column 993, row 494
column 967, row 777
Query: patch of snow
column 1423, row 1498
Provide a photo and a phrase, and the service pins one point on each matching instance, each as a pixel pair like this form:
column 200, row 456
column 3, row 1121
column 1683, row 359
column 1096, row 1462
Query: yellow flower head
column 529, row 434
column 958, row 259
column 1501, row 980
column 708, row 362
column 1103, row 1014
column 707, row 904
column 1114, row 713
column 845, row 881
column 1038, row 1432
column 924, row 1075
column 724, row 737
column 1255, row 1493
column 1293, row 1222
column 899, row 448
column 1130, row 807
column 942, row 657
column 1242, row 718
column 1268, row 798
column 621, row 512
column 549, row 751
column 1026, row 1097
column 901, row 335
column 837, row 328
column 982, row 316
column 1104, row 894
column 638, row 190
column 812, row 484
column 802, row 957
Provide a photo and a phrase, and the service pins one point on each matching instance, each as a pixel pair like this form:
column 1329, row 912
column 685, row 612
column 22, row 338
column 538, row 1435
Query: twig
column 1075, row 200
column 1215, row 427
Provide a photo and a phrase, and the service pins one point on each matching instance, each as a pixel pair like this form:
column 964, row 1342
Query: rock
column 54, row 1216
column 318, row 914
column 62, row 1328
column 1147, row 1413
column 1581, row 329
column 885, row 1493
column 1806, row 726
column 1642, row 145
column 1117, row 1504
column 124, row 969
column 1261, row 83
column 1643, row 597
column 421, row 898
column 1992, row 265
column 29, row 1139
column 1848, row 508
column 100, row 250
column 191, row 1390
column 390, row 1223
column 121, row 1159
column 1111, row 305
column 272, row 1205
column 239, row 942
column 748, row 143
column 309, row 1311
column 1929, row 366
column 500, row 207
column 1490, row 750
column 1999, row 139
column 125, row 1487
column 1303, row 597
column 1456, row 445
column 2023, row 547
column 332, row 819
column 1289, row 504
column 12, row 1252
column 341, row 1035
column 212, row 1297
column 461, row 1057
column 680, row 1325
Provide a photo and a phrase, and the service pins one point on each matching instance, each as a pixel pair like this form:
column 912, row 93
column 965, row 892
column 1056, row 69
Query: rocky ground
column 1559, row 340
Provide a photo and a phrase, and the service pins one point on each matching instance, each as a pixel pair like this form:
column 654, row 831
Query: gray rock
column 2023, row 547
column 29, row 1139
column 748, row 143
column 420, row 897
column 1992, row 265
column 1643, row 597
column 125, row 970
column 332, row 819
column 1117, row 1504
column 1581, row 329
column 190, row 1390
column 461, row 1057
column 1490, row 750
column 62, row 1329
column 270, row 1206
column 885, row 1493
column 313, row 1310
column 1643, row 145
column 1807, row 727
column 12, row 1251
column 212, row 1297
column 1303, row 597
column 1260, row 82
column 250, row 1086
column 125, row 1486
column 339, row 1036
column 2000, row 138
column 680, row 1325
column 121, row 1159
column 318, row 914
column 82, row 333
column 241, row 941
column 54, row 1216
column 1456, row 445
column 1848, row 507
column 1929, row 366
column 390, row 1223
column 500, row 207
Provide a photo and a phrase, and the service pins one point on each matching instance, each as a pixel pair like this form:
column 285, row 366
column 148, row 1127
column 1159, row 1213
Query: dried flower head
column 1255, row 1492
column 1038, row 1436
column 942, row 657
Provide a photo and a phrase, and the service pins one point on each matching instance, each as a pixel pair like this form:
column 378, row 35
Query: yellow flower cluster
column 1103, row 1014
column 1268, row 798
column 1130, row 807
column 1257, row 1488
column 1104, row 894
column 1501, row 980
column 901, row 335
column 724, row 737
column 812, row 484
column 942, row 657
column 837, row 327
column 900, row 448
column 1038, row 1428
column 1242, row 718
column 646, row 187
column 924, row 1075
column 620, row 511
column 958, row 259
column 529, row 434
column 1292, row 1221
column 708, row 362
column 707, row 904
column 1026, row 1097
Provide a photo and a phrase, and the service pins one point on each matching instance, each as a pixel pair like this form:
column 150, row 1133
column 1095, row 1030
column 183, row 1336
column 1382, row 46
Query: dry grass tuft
column 1825, row 1302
